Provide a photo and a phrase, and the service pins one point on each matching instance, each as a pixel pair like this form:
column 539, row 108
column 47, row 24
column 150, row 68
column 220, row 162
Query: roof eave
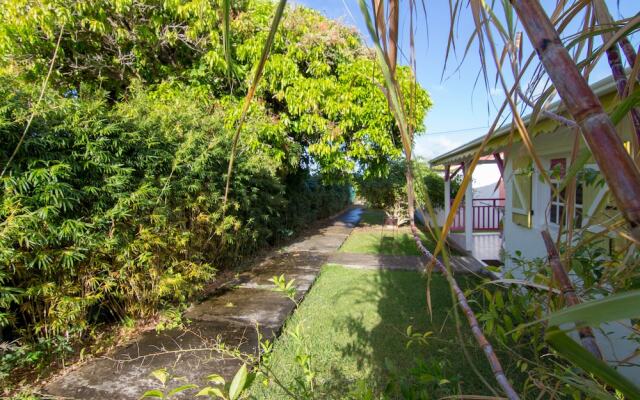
column 600, row 88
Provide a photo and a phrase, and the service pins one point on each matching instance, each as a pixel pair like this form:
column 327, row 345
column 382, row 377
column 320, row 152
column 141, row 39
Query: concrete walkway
column 460, row 264
column 228, row 318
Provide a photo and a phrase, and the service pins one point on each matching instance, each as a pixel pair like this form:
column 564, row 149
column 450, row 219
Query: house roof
column 502, row 137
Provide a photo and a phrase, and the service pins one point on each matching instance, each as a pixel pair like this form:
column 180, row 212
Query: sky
column 459, row 113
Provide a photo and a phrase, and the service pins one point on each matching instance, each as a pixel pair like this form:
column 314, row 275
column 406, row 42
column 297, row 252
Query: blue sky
column 460, row 113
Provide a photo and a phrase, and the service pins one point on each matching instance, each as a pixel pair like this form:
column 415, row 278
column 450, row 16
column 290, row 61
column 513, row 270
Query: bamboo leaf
column 575, row 353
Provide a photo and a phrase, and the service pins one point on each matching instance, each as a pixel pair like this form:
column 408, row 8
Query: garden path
column 461, row 264
column 230, row 317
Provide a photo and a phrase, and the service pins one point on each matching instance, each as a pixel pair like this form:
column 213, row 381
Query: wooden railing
column 487, row 214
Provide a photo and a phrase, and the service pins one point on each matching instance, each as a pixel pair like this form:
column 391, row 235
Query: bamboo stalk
column 619, row 170
column 560, row 275
column 615, row 60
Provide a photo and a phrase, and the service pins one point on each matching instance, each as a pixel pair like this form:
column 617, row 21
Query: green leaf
column 238, row 383
column 582, row 159
column 252, row 89
column 153, row 393
column 611, row 308
column 579, row 356
column 226, row 31
column 181, row 389
column 161, row 374
column 216, row 379
column 623, row 108
column 211, row 392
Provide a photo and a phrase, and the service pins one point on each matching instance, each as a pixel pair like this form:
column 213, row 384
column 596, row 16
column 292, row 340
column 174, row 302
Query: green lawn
column 353, row 323
column 372, row 217
column 383, row 241
column 378, row 240
column 372, row 238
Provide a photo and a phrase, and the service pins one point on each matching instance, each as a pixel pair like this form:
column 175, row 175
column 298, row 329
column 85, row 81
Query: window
column 558, row 198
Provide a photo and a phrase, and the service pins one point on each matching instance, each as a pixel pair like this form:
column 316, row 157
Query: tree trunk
column 619, row 170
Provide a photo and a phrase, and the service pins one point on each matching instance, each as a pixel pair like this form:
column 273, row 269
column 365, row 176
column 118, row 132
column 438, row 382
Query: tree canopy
column 320, row 89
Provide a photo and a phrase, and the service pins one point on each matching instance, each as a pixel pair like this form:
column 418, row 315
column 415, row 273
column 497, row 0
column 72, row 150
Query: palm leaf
column 611, row 308
column 571, row 350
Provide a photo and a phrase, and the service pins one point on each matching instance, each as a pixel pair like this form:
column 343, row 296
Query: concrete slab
column 245, row 306
column 189, row 354
column 467, row 264
column 302, row 267
column 376, row 261
column 350, row 218
column 460, row 264
column 319, row 243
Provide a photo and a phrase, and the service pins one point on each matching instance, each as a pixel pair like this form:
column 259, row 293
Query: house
column 530, row 204
column 533, row 204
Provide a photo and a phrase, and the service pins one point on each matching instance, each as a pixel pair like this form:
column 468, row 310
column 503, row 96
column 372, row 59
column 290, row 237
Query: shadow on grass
column 398, row 366
column 386, row 241
column 354, row 328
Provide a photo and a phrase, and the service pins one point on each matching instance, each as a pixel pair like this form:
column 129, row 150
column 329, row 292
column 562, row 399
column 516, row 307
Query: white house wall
column 529, row 241
column 518, row 238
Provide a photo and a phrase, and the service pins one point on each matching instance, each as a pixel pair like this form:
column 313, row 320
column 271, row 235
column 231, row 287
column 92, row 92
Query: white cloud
column 431, row 146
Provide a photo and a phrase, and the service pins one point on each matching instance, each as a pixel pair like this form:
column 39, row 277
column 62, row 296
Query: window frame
column 558, row 203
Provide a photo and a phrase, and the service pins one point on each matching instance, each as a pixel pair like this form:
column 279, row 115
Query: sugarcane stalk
column 618, row 169
column 397, row 108
column 629, row 51
column 615, row 60
column 481, row 339
column 393, row 34
column 381, row 30
column 568, row 292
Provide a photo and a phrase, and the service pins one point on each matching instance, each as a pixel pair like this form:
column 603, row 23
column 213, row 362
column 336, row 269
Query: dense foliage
column 387, row 191
column 319, row 86
column 112, row 205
